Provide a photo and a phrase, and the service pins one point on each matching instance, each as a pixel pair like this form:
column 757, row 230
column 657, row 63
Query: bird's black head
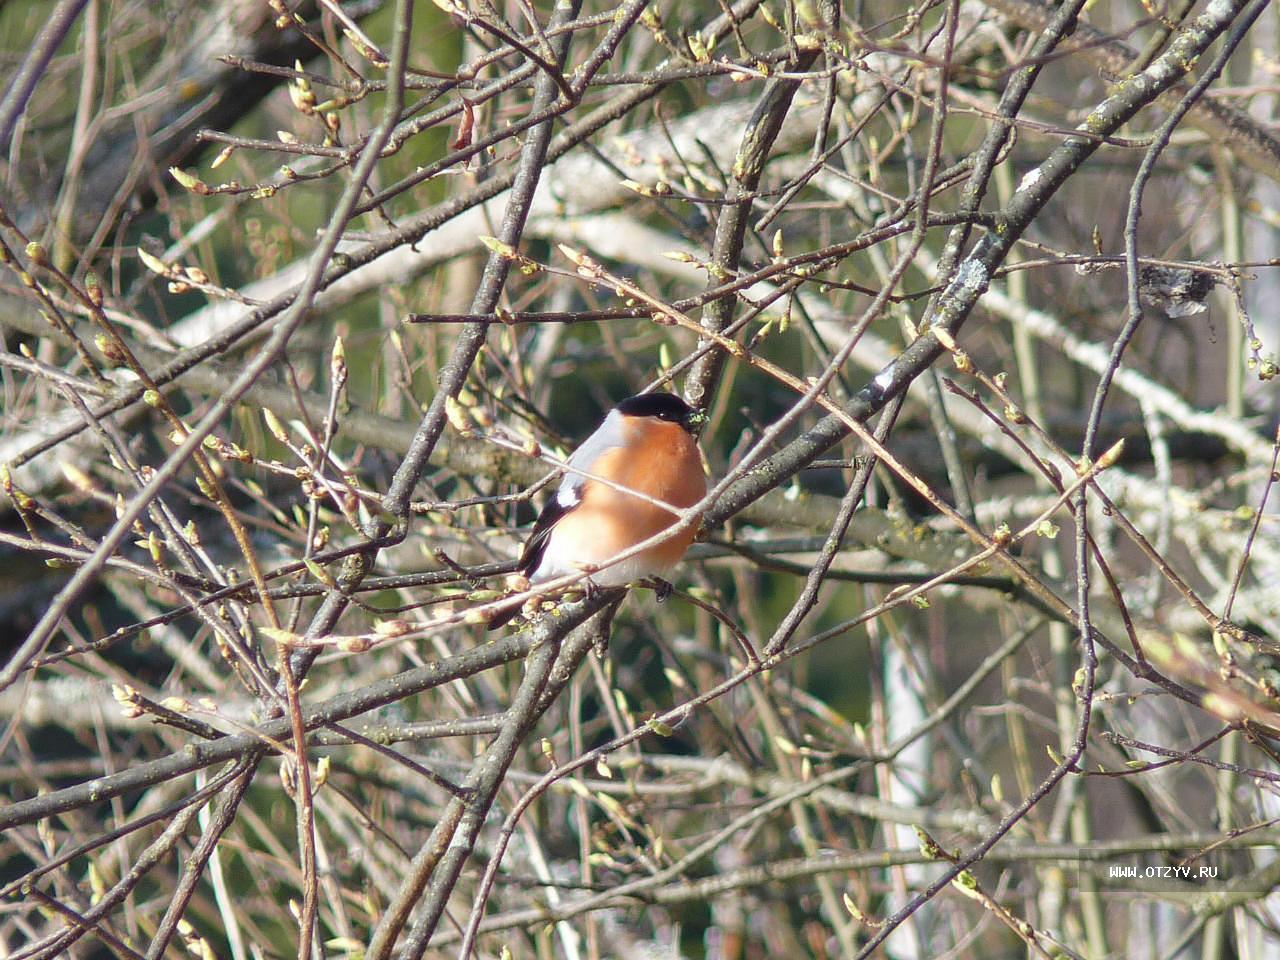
column 663, row 406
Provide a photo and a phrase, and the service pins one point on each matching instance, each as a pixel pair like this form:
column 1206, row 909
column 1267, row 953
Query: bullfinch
column 645, row 446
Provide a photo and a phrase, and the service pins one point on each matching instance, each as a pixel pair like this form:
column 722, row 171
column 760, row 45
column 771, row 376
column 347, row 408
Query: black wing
column 536, row 545
column 534, row 548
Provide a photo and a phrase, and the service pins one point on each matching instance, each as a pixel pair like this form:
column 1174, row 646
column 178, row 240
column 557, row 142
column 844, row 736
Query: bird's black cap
column 664, row 406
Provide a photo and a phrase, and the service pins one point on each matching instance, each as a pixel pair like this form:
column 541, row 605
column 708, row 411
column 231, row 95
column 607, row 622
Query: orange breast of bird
column 609, row 520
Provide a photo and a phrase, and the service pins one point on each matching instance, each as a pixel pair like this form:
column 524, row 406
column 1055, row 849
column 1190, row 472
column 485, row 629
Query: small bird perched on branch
column 623, row 486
